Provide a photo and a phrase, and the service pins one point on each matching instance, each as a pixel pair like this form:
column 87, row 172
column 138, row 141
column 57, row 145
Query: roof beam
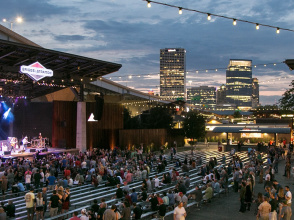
column 7, row 52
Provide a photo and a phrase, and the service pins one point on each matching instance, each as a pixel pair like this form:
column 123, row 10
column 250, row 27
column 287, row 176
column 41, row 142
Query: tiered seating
column 82, row 196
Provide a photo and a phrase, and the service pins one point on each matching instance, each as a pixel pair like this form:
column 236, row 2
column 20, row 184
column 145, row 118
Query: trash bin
column 220, row 148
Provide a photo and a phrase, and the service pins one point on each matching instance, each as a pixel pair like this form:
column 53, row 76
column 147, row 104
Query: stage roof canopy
column 69, row 70
column 243, row 129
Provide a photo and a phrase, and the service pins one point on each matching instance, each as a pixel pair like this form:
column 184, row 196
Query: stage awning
column 243, row 129
column 69, row 70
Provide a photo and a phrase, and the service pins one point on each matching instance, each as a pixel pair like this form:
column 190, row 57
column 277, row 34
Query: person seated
column 70, row 181
column 20, row 187
column 208, row 193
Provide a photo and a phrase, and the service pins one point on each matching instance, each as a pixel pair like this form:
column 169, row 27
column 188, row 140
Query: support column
column 81, row 134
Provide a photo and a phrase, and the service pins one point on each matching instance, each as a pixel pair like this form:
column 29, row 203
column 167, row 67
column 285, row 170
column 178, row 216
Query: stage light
column 148, row 4
column 257, row 26
column 180, row 11
column 278, row 30
column 208, row 17
column 234, row 22
column 5, row 115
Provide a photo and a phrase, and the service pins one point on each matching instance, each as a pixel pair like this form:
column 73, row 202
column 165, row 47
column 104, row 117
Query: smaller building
column 221, row 95
column 255, row 93
column 203, row 97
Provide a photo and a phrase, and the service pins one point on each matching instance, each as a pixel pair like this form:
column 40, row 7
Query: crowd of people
column 118, row 168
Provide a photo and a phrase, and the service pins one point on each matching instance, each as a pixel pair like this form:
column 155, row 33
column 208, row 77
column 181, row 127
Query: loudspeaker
column 32, row 150
column 98, row 107
column 7, row 152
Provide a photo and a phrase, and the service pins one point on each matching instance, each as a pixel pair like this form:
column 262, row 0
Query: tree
column 237, row 114
column 157, row 118
column 131, row 122
column 194, row 126
column 287, row 100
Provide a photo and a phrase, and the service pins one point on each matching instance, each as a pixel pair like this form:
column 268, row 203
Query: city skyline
column 129, row 33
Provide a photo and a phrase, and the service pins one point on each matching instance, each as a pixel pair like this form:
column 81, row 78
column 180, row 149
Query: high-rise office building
column 203, row 97
column 221, row 95
column 239, row 84
column 173, row 73
column 255, row 93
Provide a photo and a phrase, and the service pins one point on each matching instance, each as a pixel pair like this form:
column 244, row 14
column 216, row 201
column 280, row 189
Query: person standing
column 30, row 198
column 264, row 209
column 109, row 214
column 39, row 206
column 53, row 204
column 137, row 211
column 285, row 211
column 288, row 196
column 180, row 212
column 242, row 198
column 44, row 194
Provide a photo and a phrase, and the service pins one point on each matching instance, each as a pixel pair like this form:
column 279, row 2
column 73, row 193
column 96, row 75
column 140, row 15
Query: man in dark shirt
column 53, row 204
column 95, row 206
column 10, row 209
column 101, row 211
column 161, row 209
column 119, row 192
column 154, row 202
column 37, row 178
column 137, row 211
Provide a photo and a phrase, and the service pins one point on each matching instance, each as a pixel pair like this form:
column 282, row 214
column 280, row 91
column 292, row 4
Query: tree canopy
column 287, row 100
column 153, row 119
column 194, row 126
column 157, row 118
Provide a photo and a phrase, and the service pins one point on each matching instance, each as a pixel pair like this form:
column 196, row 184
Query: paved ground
column 227, row 206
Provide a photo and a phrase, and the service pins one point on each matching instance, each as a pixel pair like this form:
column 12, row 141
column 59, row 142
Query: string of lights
column 209, row 16
column 209, row 70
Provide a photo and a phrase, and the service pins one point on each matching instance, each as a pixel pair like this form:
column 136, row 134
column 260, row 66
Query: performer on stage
column 25, row 142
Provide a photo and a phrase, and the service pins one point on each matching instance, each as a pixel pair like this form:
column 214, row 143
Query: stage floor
column 28, row 154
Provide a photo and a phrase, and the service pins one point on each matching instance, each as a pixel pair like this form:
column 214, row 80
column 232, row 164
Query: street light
column 17, row 20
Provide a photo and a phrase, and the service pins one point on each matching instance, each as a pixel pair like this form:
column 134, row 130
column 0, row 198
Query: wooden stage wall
column 64, row 124
column 104, row 133
column 157, row 137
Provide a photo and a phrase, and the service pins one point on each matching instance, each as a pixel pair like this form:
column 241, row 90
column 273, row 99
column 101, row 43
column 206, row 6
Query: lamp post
column 17, row 20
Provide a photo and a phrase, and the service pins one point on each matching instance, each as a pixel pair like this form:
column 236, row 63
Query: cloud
column 69, row 37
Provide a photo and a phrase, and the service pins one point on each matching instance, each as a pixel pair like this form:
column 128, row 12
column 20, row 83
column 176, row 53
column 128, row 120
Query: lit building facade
column 239, row 84
column 255, row 93
column 203, row 97
column 221, row 95
column 173, row 73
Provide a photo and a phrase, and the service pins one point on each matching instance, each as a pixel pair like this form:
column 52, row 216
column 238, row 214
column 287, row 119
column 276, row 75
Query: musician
column 25, row 142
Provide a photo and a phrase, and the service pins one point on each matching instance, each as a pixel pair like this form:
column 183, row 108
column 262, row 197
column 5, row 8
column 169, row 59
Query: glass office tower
column 239, row 84
column 173, row 73
column 203, row 97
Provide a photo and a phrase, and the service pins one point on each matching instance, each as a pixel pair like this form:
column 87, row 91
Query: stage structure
column 28, row 72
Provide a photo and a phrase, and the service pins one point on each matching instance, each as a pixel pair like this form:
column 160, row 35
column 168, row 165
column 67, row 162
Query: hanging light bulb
column 208, row 17
column 234, row 22
column 180, row 11
column 148, row 4
column 257, row 26
column 278, row 30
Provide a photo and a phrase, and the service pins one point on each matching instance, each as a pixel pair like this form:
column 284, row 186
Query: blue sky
column 129, row 33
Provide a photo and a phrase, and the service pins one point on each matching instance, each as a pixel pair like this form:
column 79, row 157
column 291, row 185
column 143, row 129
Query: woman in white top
column 39, row 206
